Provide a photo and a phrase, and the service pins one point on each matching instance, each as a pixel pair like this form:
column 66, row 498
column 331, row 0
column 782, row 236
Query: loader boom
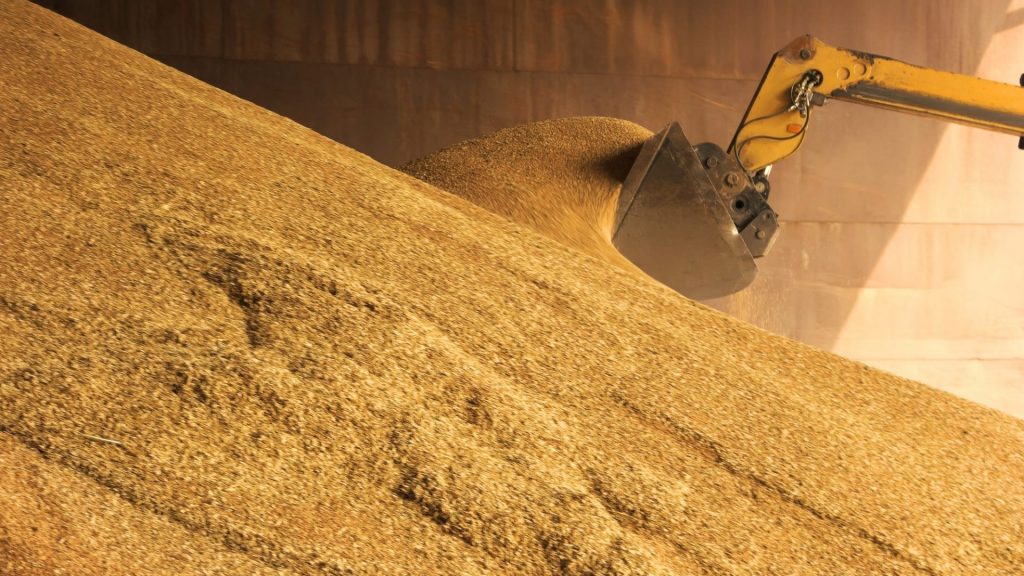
column 777, row 117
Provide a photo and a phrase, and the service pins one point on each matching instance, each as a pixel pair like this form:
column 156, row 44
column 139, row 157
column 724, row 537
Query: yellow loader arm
column 695, row 217
column 808, row 72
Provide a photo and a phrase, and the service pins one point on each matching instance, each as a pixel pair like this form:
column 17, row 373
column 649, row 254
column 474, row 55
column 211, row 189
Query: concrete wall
column 901, row 234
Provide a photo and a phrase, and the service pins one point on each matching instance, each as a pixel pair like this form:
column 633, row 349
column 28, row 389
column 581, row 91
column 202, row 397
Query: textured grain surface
column 303, row 361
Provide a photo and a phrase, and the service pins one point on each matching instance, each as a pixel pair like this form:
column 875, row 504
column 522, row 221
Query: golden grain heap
column 231, row 346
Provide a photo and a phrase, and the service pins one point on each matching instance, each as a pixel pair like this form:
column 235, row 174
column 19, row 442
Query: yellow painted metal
column 766, row 133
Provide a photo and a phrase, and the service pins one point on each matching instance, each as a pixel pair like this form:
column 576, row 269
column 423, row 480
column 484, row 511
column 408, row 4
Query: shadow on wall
column 399, row 79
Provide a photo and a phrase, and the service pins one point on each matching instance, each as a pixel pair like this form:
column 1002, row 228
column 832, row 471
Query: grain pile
column 230, row 345
column 559, row 177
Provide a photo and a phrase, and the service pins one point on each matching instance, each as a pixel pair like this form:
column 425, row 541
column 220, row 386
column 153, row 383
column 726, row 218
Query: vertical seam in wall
column 515, row 35
column 515, row 61
column 223, row 28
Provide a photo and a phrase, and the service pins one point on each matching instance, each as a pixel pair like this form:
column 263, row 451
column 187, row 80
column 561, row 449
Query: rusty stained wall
column 900, row 233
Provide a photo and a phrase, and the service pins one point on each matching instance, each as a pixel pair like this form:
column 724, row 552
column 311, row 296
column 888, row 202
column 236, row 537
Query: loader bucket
column 672, row 224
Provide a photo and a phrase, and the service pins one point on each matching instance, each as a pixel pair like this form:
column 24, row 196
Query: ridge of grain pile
column 230, row 345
